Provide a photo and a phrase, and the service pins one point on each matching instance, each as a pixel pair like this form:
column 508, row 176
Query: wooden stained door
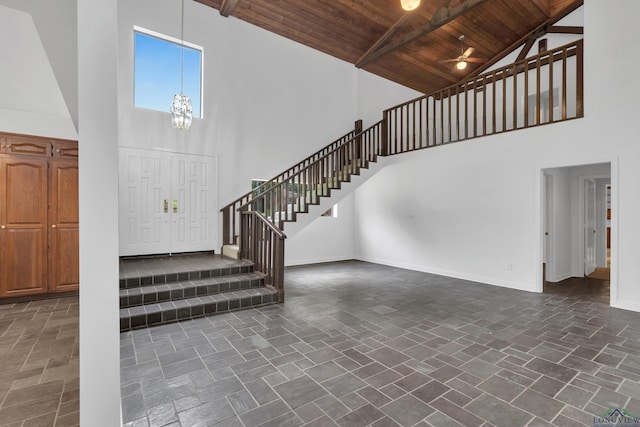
column 64, row 273
column 23, row 226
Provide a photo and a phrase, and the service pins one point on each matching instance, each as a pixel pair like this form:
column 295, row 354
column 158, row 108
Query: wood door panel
column 27, row 146
column 64, row 274
column 23, row 221
column 67, row 149
column 65, row 198
column 23, row 264
column 25, row 184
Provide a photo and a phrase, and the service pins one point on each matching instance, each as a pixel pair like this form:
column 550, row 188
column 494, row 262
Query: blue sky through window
column 157, row 73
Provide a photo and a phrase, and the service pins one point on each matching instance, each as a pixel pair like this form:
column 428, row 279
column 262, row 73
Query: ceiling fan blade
column 467, row 53
column 477, row 60
column 448, row 60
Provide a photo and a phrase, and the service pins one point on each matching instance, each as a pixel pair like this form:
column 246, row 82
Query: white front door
column 589, row 226
column 167, row 202
column 193, row 203
column 145, row 185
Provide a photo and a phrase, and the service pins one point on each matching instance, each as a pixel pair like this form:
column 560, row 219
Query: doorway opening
column 577, row 230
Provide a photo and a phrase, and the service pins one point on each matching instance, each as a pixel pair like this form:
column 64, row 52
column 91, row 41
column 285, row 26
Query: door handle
column 2, row 227
column 175, row 206
column 54, row 226
column 166, row 205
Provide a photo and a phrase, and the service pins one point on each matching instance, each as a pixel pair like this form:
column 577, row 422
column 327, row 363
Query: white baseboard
column 315, row 261
column 560, row 277
column 454, row 274
column 627, row 305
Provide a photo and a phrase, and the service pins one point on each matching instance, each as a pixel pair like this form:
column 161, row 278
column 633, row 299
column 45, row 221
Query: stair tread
column 163, row 287
column 188, row 302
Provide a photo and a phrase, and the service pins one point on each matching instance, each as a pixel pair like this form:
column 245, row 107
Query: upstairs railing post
column 579, row 79
column 384, row 150
column 358, row 130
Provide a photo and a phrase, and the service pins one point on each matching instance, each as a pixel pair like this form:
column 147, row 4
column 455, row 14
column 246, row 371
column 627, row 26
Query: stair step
column 150, row 294
column 162, row 278
column 190, row 308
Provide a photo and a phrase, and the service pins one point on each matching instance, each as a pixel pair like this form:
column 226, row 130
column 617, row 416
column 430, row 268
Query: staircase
column 498, row 101
column 158, row 290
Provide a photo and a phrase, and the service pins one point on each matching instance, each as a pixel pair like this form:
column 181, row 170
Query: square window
column 157, row 63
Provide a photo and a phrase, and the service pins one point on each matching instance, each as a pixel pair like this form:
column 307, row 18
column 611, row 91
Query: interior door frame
column 539, row 212
column 588, row 184
column 548, row 227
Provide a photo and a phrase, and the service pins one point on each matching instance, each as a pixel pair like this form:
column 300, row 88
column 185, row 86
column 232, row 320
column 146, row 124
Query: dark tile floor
column 360, row 344
column 39, row 371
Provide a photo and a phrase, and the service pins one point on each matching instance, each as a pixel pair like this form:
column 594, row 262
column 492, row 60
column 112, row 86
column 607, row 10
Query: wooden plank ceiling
column 405, row 47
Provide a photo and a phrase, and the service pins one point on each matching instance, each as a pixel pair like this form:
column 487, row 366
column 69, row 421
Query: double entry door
column 167, row 202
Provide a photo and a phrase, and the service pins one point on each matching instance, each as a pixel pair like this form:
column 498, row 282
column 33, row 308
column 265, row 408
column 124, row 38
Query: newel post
column 278, row 281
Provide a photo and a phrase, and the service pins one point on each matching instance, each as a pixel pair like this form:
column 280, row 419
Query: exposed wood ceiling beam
column 442, row 17
column 537, row 32
column 227, row 6
column 386, row 36
column 526, row 48
column 565, row 29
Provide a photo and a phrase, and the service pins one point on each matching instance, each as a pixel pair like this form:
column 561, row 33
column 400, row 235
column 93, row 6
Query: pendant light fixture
column 181, row 109
column 410, row 4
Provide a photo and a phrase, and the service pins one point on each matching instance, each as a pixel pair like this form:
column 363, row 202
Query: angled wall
column 32, row 102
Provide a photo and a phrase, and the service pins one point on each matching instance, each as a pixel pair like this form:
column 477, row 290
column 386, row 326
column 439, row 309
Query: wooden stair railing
column 261, row 213
column 230, row 214
column 479, row 106
column 264, row 245
column 281, row 200
column 494, row 102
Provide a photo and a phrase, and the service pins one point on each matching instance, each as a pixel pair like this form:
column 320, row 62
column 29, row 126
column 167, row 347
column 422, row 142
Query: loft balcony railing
column 543, row 89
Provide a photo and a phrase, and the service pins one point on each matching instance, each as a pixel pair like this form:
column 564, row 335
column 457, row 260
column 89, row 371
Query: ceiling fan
column 464, row 58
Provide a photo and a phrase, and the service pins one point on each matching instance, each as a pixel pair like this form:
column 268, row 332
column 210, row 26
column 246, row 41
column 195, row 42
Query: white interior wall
column 98, row 194
column 375, row 94
column 59, row 39
column 316, row 242
column 478, row 214
column 32, row 102
column 268, row 103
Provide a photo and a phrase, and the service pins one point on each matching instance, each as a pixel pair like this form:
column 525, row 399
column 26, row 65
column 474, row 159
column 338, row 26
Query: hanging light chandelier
column 409, row 4
column 181, row 109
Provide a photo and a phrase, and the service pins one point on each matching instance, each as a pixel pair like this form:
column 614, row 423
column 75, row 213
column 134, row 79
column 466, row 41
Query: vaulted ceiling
column 407, row 47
